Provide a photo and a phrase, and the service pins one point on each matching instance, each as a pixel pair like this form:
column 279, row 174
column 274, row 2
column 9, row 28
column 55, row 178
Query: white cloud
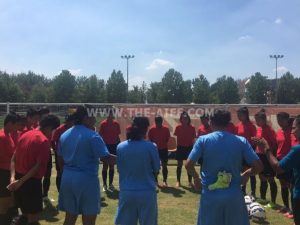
column 137, row 81
column 75, row 72
column 245, row 38
column 278, row 21
column 156, row 63
column 281, row 69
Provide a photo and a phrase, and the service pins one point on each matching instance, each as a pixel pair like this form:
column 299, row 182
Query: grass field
column 177, row 206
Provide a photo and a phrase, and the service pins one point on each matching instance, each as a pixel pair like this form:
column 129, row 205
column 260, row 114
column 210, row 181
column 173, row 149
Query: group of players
column 26, row 162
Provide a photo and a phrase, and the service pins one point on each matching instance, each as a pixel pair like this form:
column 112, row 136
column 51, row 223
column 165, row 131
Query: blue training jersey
column 222, row 151
column 137, row 161
column 81, row 149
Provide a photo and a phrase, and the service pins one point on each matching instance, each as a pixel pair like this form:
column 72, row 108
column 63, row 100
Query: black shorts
column 182, row 153
column 4, row 181
column 112, row 149
column 163, row 155
column 268, row 171
column 29, row 196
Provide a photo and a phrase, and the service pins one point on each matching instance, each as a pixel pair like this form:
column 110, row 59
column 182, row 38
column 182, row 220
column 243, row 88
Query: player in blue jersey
column 79, row 151
column 222, row 200
column 138, row 164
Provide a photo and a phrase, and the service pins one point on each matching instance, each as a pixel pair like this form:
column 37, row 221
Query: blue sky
column 210, row 37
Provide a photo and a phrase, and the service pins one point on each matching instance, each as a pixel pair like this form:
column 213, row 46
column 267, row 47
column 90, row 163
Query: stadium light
column 276, row 57
column 127, row 57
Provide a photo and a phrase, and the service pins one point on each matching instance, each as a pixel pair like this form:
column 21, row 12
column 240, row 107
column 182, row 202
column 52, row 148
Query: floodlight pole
column 127, row 57
column 276, row 57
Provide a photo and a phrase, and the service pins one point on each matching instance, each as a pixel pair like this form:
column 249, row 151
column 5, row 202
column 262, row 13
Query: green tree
column 116, row 88
column 38, row 93
column 155, row 92
column 256, row 89
column 9, row 89
column 225, row 90
column 64, row 87
column 287, row 89
column 201, row 89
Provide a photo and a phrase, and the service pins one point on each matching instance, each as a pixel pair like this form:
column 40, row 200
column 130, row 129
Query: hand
column 15, row 185
column 261, row 142
column 197, row 184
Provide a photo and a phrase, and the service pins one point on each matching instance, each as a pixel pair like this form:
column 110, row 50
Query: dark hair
column 184, row 113
column 244, row 110
column 290, row 121
column 204, row 116
column 138, row 129
column 158, row 119
column 283, row 116
column 11, row 117
column 51, row 121
column 80, row 114
column 261, row 115
column 297, row 119
column 221, row 117
column 44, row 110
column 22, row 119
column 32, row 112
column 69, row 118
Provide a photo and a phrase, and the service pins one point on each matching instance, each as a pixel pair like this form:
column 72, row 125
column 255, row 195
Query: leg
column 165, row 171
column 296, row 211
column 111, row 174
column 284, row 193
column 6, row 204
column 273, row 189
column 263, row 186
column 178, row 171
column 46, row 180
column 70, row 219
column 89, row 220
column 33, row 218
column 253, row 185
column 104, row 174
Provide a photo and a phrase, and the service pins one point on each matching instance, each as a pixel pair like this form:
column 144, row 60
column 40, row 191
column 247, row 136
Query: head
column 110, row 116
column 11, row 122
column 296, row 127
column 261, row 118
column 158, row 120
column 32, row 117
column 283, row 120
column 185, row 118
column 69, row 120
column 21, row 122
column 49, row 123
column 243, row 114
column 204, row 119
column 138, row 129
column 81, row 117
column 220, row 119
column 44, row 111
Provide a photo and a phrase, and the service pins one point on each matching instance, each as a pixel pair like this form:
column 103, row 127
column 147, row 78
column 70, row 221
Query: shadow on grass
column 260, row 222
column 50, row 212
column 112, row 195
column 103, row 203
column 171, row 190
column 190, row 189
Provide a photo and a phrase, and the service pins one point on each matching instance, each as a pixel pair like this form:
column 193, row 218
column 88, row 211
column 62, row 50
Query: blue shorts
column 137, row 206
column 79, row 193
column 223, row 207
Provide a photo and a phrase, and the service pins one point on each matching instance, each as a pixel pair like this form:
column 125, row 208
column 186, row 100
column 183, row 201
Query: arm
column 12, row 168
column 256, row 168
column 16, row 184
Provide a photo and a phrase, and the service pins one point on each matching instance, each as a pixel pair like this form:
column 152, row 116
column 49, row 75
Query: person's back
column 222, row 151
column 137, row 161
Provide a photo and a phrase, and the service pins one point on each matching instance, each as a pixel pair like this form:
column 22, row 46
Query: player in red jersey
column 246, row 129
column 160, row 135
column 204, row 128
column 268, row 174
column 29, row 165
column 7, row 148
column 69, row 122
column 284, row 144
column 109, row 130
column 186, row 135
column 32, row 120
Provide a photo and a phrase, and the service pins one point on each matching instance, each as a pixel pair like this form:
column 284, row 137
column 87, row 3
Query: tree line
column 173, row 88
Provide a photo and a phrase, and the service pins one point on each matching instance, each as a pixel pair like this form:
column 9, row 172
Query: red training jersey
column 56, row 135
column 185, row 135
column 231, row 128
column 33, row 147
column 246, row 130
column 269, row 135
column 202, row 130
column 284, row 142
column 160, row 136
column 110, row 132
column 7, row 148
